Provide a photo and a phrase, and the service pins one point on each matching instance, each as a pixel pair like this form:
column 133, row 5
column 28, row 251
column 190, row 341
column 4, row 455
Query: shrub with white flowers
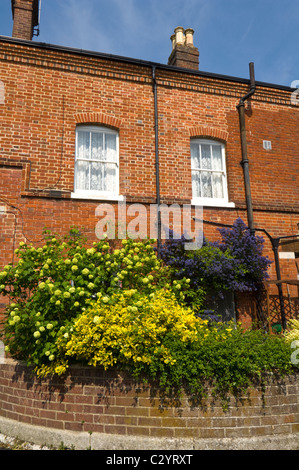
column 50, row 285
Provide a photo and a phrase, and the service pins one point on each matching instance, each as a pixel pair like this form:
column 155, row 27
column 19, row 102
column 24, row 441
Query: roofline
column 140, row 62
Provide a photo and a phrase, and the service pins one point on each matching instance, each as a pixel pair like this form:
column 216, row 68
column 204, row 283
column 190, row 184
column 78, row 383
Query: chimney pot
column 184, row 54
column 172, row 38
column 189, row 36
column 179, row 35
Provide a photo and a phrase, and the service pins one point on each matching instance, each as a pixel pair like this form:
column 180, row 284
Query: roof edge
column 141, row 62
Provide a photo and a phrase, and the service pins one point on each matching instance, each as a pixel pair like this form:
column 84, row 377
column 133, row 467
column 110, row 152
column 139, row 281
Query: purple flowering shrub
column 234, row 263
column 251, row 267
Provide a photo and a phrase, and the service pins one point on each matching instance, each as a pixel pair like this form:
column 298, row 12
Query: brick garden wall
column 91, row 400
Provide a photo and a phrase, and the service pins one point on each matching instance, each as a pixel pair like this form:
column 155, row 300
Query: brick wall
column 49, row 91
column 112, row 403
column 25, row 14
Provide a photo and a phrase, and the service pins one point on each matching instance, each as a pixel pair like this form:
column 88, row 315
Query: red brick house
column 79, row 128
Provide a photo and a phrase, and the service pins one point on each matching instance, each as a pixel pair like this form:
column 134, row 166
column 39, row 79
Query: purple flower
column 235, row 262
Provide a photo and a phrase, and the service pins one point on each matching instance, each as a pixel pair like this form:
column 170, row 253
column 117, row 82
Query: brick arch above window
column 209, row 132
column 98, row 118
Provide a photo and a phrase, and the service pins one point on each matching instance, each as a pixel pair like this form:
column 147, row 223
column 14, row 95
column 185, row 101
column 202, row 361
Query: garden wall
column 111, row 408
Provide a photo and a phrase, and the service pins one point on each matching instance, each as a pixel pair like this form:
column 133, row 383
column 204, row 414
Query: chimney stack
column 25, row 15
column 184, row 54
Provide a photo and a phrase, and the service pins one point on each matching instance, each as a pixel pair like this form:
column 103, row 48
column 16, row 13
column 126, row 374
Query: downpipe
column 245, row 165
column 157, row 164
column 245, row 161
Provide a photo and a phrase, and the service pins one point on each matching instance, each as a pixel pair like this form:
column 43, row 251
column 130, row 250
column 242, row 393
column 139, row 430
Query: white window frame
column 91, row 194
column 206, row 201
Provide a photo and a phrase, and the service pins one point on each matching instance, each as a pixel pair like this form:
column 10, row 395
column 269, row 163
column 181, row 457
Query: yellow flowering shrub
column 128, row 328
column 293, row 331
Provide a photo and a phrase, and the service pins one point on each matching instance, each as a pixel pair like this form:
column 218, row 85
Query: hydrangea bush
column 51, row 285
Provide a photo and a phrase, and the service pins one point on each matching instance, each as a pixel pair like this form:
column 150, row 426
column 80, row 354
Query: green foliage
column 50, row 286
column 292, row 334
column 128, row 330
column 227, row 357
column 123, row 307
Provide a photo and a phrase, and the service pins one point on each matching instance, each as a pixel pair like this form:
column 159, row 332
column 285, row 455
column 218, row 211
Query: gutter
column 139, row 62
column 245, row 161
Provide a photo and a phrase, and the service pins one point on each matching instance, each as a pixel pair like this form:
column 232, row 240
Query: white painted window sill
column 206, row 202
column 89, row 195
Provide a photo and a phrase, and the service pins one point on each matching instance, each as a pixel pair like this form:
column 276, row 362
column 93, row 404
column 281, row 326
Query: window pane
column 217, row 185
column 96, row 176
column 83, row 144
column 103, row 177
column 217, row 157
column 110, row 147
column 97, row 146
column 196, row 189
column 206, row 162
column 110, row 177
column 82, row 175
column 206, row 181
column 209, row 181
column 195, row 160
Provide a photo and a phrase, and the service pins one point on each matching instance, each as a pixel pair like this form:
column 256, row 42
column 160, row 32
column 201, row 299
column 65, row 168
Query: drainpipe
column 245, row 161
column 157, row 160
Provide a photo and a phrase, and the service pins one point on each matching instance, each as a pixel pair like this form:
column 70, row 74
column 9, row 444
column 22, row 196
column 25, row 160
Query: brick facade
column 25, row 16
column 90, row 400
column 49, row 90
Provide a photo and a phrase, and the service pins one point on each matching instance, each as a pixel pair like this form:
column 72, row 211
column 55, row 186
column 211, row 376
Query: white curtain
column 217, row 164
column 94, row 149
column 207, row 170
column 82, row 167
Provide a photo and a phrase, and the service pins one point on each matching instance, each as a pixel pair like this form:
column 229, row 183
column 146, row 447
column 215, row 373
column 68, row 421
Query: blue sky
column 228, row 33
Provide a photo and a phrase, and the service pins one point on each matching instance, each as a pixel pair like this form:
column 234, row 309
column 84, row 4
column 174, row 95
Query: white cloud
column 227, row 38
column 134, row 28
column 76, row 24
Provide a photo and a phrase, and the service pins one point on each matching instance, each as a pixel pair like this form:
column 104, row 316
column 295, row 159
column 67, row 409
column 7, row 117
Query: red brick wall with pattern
column 48, row 92
column 91, row 400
